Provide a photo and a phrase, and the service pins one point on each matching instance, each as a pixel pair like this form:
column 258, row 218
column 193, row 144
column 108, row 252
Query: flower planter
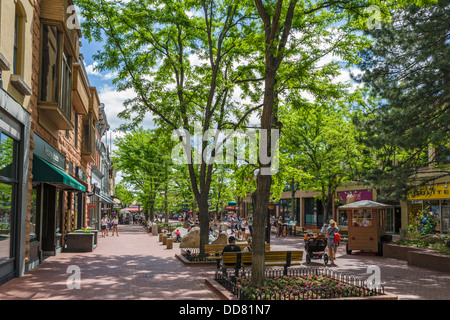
column 80, row 242
column 418, row 257
column 429, row 260
column 395, row 251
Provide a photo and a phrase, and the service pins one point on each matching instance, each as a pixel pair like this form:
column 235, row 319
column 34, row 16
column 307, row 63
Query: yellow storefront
column 434, row 198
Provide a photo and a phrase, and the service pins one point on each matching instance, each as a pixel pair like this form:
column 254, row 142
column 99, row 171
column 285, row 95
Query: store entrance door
column 397, row 219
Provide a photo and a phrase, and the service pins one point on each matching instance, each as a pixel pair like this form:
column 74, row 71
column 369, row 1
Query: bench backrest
column 270, row 256
column 210, row 248
column 281, row 256
column 233, row 257
column 213, row 248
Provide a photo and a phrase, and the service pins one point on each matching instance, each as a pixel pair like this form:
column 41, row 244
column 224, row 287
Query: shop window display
column 362, row 218
column 5, row 221
column 8, row 181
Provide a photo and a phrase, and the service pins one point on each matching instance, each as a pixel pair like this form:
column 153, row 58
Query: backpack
column 337, row 237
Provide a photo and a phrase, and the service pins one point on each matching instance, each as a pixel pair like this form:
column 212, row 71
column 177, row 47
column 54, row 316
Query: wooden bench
column 242, row 260
column 215, row 250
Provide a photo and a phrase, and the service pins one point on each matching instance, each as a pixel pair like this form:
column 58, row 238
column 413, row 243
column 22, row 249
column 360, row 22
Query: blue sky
column 108, row 93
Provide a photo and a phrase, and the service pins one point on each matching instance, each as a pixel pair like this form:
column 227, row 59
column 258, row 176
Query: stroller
column 315, row 247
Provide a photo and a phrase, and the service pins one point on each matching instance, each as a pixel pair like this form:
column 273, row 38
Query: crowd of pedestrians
column 241, row 228
column 110, row 224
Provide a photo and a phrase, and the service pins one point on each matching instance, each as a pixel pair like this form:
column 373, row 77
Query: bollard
column 161, row 237
column 169, row 243
column 164, row 240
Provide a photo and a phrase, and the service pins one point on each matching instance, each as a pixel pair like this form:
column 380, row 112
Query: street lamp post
column 270, row 208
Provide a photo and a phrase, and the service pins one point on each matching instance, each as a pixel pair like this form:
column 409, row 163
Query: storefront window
column 414, row 207
column 8, row 180
column 51, row 43
column 310, row 211
column 342, row 218
column 75, row 211
column 434, row 206
column 285, row 208
column 8, row 167
column 6, row 220
column 362, row 218
column 34, row 214
column 390, row 222
column 58, row 223
column 445, row 216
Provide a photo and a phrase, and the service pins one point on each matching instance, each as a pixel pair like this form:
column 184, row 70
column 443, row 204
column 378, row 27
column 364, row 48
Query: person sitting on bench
column 231, row 247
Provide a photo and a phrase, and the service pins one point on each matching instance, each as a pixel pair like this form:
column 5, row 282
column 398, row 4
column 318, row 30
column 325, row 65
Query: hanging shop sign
column 358, row 195
column 439, row 191
column 48, row 153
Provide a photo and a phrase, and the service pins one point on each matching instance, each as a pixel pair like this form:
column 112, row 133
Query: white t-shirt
column 105, row 221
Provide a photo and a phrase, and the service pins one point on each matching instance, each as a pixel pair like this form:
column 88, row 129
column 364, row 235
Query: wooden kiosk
column 366, row 226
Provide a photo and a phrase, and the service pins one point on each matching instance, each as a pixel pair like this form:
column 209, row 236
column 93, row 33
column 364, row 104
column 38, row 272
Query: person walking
column 250, row 226
column 232, row 224
column 329, row 235
column 279, row 226
column 115, row 225
column 105, row 222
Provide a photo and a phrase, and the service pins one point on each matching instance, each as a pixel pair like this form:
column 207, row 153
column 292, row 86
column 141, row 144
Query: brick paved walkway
column 135, row 266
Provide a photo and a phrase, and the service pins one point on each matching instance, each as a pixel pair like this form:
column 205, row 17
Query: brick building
column 48, row 130
column 16, row 39
column 63, row 120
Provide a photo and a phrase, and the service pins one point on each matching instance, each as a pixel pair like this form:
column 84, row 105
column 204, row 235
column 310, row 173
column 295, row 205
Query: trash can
column 161, row 237
column 169, row 242
column 164, row 239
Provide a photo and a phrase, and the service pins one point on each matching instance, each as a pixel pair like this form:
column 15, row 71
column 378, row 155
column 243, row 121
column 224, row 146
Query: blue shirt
column 331, row 233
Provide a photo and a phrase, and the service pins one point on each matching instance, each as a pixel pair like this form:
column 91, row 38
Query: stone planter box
column 394, row 251
column 80, row 242
column 429, row 260
column 95, row 232
column 417, row 257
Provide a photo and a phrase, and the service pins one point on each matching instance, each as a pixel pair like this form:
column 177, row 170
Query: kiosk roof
column 364, row 204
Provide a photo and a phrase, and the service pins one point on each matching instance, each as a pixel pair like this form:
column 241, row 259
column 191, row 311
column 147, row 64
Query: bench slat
column 272, row 258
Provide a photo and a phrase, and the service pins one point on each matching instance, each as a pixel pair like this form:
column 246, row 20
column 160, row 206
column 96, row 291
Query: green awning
column 48, row 173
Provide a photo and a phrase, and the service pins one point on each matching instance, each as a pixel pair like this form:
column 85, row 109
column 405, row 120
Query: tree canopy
column 407, row 73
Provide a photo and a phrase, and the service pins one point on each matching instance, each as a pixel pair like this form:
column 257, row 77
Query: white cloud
column 91, row 69
column 114, row 104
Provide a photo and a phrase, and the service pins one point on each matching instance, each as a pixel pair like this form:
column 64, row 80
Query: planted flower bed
column 308, row 284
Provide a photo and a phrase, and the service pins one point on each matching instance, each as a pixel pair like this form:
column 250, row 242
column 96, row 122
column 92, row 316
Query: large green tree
column 296, row 35
column 143, row 165
column 294, row 32
column 407, row 73
column 322, row 141
column 123, row 192
column 182, row 60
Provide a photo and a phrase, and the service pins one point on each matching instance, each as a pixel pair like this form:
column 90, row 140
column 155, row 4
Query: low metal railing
column 356, row 286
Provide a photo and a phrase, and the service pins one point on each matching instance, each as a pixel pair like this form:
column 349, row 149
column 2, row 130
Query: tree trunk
column 261, row 202
column 264, row 182
column 276, row 35
column 166, row 209
column 292, row 199
column 204, row 222
column 152, row 210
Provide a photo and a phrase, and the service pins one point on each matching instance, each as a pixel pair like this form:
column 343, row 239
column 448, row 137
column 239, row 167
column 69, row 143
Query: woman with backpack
column 332, row 245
